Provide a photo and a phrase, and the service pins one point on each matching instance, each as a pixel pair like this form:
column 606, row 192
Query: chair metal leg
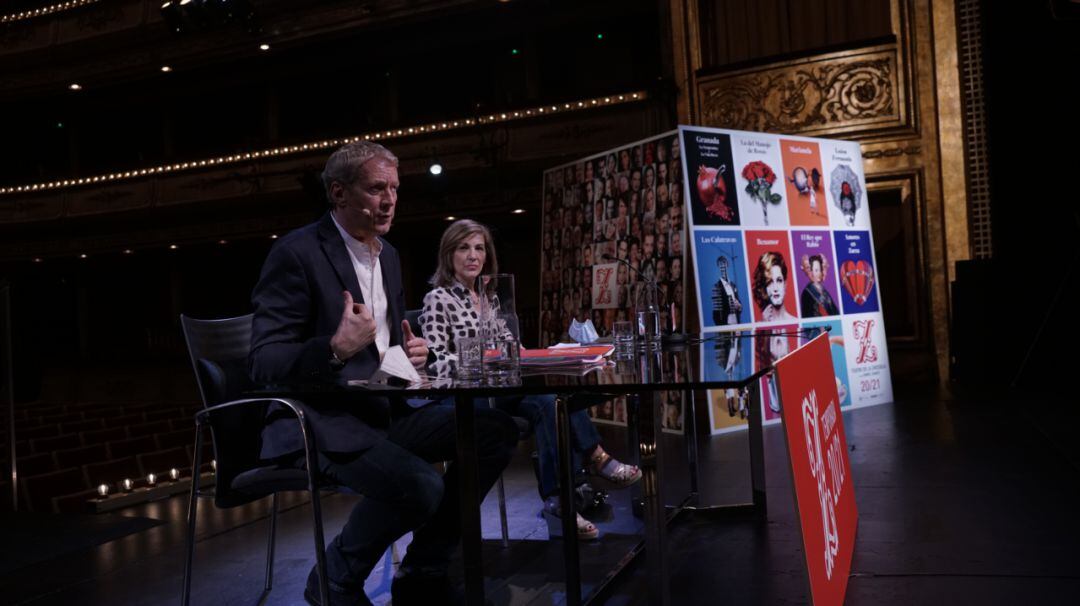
column 271, row 539
column 502, row 513
column 193, row 504
column 320, row 544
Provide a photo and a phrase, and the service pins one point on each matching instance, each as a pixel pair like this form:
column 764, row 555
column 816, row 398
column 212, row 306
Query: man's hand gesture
column 355, row 331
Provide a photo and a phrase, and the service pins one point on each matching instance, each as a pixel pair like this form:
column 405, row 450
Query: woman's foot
column 606, row 466
column 586, row 530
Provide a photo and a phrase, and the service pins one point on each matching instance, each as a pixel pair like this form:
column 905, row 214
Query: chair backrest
column 219, row 351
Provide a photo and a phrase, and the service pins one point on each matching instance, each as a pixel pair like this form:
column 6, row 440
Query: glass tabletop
column 667, row 366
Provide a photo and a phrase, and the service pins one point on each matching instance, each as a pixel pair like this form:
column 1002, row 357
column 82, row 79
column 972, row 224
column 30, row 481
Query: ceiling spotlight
column 75, row 86
column 166, row 69
column 173, row 247
column 273, row 236
column 82, row 256
column 435, row 169
column 451, row 218
column 128, row 251
column 222, row 241
column 170, row 12
column 264, row 47
column 519, row 211
column 38, row 259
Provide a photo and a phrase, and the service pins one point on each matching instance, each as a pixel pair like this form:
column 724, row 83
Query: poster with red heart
column 855, row 268
column 820, row 469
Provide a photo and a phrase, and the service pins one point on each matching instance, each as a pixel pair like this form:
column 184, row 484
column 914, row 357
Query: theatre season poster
column 855, row 269
column 770, row 344
column 815, row 273
column 724, row 298
column 759, row 180
column 838, row 352
column 805, row 182
column 710, row 178
column 867, row 359
column 771, row 273
column 845, row 185
column 727, row 356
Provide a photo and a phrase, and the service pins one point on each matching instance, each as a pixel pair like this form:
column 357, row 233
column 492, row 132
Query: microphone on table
column 671, row 337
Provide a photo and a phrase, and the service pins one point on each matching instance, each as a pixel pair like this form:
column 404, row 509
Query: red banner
column 821, row 472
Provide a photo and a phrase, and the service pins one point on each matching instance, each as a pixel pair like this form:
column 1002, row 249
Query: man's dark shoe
column 338, row 595
column 425, row 590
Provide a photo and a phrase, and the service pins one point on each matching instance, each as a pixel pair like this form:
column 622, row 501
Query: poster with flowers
column 762, row 195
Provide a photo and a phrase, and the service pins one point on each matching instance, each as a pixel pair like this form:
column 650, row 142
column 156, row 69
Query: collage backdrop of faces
column 623, row 204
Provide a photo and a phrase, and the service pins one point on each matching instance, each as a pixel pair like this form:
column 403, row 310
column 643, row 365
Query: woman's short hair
column 344, row 164
column 454, row 235
column 761, row 275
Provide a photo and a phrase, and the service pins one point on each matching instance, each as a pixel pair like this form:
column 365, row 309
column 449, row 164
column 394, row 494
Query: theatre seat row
column 68, row 489
column 98, row 442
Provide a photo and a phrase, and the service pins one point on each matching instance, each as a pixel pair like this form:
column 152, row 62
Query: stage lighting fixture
column 435, row 168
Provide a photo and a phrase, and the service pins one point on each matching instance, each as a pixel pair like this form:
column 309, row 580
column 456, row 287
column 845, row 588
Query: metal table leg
column 649, row 431
column 566, row 502
column 757, row 450
column 465, row 422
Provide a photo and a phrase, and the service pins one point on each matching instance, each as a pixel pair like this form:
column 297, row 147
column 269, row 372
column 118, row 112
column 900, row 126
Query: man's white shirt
column 368, row 268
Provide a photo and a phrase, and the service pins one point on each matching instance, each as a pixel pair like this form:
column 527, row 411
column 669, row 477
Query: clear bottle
column 647, row 310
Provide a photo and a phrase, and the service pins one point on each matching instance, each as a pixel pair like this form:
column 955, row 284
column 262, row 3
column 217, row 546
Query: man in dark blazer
column 328, row 305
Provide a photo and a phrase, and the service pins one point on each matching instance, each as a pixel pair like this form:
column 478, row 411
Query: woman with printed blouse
column 450, row 312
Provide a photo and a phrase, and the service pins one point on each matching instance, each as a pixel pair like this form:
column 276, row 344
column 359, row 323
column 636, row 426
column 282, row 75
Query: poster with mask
column 803, row 223
column 805, row 183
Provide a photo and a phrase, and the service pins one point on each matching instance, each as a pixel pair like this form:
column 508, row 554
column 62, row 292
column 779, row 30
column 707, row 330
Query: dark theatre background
column 134, row 188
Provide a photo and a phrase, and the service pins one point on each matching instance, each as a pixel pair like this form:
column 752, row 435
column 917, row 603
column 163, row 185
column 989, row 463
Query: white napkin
column 395, row 363
column 583, row 332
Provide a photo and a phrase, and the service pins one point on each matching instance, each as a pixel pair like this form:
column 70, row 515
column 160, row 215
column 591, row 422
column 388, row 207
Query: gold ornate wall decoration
column 849, row 91
column 892, row 152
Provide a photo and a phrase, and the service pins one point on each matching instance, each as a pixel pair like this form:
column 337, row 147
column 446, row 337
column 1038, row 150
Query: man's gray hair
column 344, row 164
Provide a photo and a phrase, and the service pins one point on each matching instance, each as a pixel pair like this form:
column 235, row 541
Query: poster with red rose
column 759, row 182
column 710, row 172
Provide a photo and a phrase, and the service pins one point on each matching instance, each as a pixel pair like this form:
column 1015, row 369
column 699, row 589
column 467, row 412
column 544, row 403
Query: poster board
column 779, row 232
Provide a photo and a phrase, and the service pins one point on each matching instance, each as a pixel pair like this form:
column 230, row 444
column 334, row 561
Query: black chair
column 219, row 351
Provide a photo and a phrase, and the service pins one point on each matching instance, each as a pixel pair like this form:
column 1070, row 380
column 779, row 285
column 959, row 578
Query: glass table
column 642, row 375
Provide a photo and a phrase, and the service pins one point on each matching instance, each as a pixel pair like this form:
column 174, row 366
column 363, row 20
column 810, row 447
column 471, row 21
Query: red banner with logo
column 821, row 472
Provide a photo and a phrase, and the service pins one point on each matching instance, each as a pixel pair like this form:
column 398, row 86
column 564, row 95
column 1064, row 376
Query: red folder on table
column 565, row 356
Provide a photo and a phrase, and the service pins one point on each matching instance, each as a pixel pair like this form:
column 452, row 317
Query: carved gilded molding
column 858, row 93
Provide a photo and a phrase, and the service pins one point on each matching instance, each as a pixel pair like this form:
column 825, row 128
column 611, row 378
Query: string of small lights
column 434, row 127
column 45, row 10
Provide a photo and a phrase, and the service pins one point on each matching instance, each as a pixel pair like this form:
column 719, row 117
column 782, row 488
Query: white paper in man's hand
column 395, row 363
